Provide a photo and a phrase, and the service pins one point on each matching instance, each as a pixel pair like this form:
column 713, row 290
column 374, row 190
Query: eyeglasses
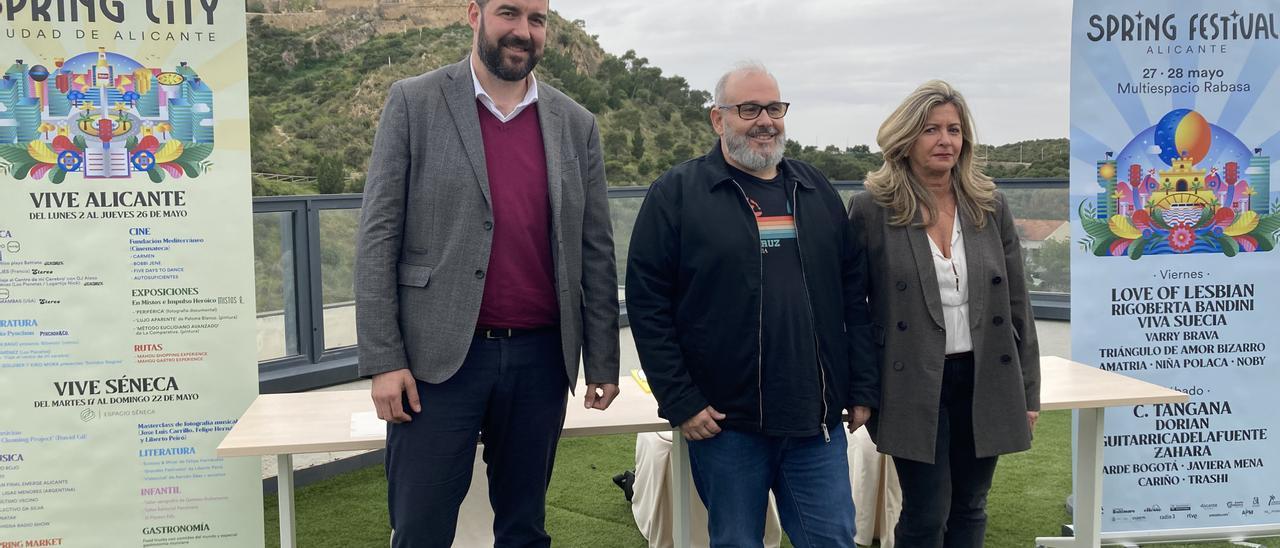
column 751, row 111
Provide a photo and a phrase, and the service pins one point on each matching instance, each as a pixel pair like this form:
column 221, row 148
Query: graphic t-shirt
column 791, row 383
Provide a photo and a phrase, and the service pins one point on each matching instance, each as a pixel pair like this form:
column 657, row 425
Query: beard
column 742, row 151
column 491, row 55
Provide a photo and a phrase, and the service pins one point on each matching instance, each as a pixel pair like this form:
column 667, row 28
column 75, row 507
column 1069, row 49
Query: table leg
column 1088, row 519
column 681, row 477
column 1088, row 483
column 284, row 496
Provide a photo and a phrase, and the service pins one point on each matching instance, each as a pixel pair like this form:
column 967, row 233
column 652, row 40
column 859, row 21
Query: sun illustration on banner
column 104, row 116
column 1187, row 186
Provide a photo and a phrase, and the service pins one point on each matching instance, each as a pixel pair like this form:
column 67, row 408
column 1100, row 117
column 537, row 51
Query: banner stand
column 1174, row 129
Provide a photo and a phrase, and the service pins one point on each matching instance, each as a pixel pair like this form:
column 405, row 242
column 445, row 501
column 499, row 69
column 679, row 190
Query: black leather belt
column 506, row 333
column 960, row 356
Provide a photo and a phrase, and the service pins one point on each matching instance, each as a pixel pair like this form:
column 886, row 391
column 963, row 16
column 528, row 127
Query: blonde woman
column 950, row 313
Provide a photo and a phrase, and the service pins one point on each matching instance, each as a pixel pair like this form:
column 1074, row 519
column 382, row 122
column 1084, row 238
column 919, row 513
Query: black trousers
column 945, row 503
column 511, row 394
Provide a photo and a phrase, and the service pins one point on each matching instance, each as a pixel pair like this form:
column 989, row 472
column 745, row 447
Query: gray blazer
column 425, row 232
column 908, row 326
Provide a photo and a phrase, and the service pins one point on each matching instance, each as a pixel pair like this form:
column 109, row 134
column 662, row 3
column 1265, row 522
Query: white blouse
column 953, row 288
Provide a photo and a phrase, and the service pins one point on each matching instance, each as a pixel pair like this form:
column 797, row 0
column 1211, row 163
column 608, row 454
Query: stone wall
column 398, row 15
column 349, row 4
column 294, row 21
column 427, row 14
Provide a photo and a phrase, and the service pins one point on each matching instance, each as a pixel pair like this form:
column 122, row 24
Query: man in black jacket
column 747, row 300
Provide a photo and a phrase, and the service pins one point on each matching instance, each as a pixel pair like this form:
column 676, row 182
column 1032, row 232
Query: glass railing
column 337, row 276
column 304, row 251
column 275, row 275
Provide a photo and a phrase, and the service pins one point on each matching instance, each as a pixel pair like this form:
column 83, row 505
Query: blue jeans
column 509, row 393
column 809, row 477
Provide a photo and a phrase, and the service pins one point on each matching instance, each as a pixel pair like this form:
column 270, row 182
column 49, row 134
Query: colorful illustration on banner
column 1182, row 186
column 104, row 116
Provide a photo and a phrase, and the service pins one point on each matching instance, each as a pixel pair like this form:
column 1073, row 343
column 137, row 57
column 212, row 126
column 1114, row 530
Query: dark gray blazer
column 907, row 324
column 425, row 231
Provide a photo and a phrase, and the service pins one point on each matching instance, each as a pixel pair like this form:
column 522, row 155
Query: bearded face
column 507, row 52
column 757, row 147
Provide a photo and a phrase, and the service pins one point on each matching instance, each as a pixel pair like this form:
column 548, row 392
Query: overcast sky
column 845, row 64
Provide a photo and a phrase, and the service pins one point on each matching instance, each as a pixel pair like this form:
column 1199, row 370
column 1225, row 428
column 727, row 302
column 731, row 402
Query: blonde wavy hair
column 896, row 188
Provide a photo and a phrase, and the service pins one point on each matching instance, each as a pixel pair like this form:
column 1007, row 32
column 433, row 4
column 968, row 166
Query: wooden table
column 1065, row 384
column 319, row 422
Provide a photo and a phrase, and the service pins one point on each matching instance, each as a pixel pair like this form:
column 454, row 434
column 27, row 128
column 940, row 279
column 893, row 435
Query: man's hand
column 387, row 388
column 858, row 416
column 1032, row 417
column 599, row 396
column 703, row 425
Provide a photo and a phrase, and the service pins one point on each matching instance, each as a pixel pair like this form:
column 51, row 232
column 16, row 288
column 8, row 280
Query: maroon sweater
column 520, row 286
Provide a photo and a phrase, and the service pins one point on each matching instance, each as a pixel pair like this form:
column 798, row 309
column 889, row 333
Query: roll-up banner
column 127, row 345
column 1175, row 127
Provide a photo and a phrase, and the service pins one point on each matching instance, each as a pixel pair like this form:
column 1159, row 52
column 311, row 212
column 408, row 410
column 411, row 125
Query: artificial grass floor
column 585, row 509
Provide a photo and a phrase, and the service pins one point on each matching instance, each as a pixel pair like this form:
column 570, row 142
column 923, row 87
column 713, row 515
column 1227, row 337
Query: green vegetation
column 271, row 271
column 648, row 122
column 850, row 164
column 337, row 254
column 267, row 187
column 272, row 255
column 1049, row 267
column 1028, row 159
column 317, row 95
column 585, row 509
column 277, row 6
column 311, row 99
column 330, row 178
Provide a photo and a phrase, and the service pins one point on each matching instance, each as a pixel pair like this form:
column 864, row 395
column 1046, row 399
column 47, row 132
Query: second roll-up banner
column 1175, row 121
column 127, row 345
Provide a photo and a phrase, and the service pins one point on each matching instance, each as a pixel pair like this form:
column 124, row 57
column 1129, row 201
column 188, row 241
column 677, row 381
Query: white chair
column 876, row 493
column 651, row 504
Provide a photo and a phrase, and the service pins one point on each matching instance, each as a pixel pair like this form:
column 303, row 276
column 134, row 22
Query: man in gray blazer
column 485, row 270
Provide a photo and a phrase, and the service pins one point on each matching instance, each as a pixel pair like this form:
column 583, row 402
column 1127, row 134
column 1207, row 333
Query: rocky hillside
column 316, row 91
column 316, row 94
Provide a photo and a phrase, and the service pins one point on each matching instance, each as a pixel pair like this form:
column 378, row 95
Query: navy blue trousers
column 511, row 395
